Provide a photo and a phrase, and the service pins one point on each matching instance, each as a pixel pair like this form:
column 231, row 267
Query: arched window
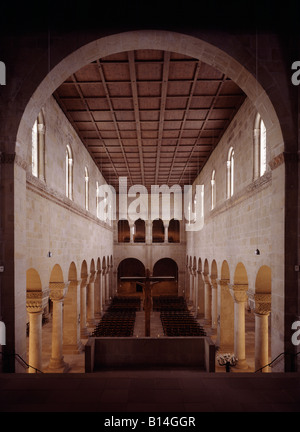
column 123, row 231
column 213, row 189
column 86, row 180
column 38, row 148
column 174, row 231
column 230, row 173
column 139, row 231
column 158, row 231
column 260, row 147
column 69, row 172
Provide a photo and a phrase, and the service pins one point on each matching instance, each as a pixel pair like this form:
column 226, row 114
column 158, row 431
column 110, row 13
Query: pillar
column 58, row 291
column 214, row 303
column 71, row 315
column 239, row 295
column 166, row 228
column 90, row 291
column 97, row 296
column 225, row 317
column 262, row 311
column 207, row 299
column 148, row 231
column 107, row 288
column 131, row 226
column 103, row 287
column 83, row 320
column 35, row 309
column 196, row 295
column 190, row 296
column 200, row 295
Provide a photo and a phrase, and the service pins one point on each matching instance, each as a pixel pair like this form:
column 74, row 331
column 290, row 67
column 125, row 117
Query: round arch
column 56, row 274
column 33, row 280
column 263, row 282
column 130, row 267
column 165, row 267
column 240, row 275
column 72, row 274
column 147, row 39
column 225, row 272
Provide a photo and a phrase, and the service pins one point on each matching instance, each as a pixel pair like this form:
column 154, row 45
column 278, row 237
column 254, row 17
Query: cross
column 146, row 283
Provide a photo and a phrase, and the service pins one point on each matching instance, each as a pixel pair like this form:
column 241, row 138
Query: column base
column 73, row 349
column 242, row 365
column 84, row 333
column 57, row 366
column 92, row 323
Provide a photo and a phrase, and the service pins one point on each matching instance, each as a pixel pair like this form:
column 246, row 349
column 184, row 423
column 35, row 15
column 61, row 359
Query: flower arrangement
column 227, row 360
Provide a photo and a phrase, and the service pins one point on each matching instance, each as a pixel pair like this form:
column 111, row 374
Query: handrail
column 269, row 364
column 22, row 361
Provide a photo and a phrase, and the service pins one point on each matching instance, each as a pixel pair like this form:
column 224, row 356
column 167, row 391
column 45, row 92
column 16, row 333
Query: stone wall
column 240, row 225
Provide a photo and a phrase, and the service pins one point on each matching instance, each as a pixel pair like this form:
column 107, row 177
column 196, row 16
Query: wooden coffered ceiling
column 151, row 116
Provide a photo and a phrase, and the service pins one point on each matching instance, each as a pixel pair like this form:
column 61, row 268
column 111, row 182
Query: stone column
column 200, row 295
column 107, row 287
column 34, row 307
column 239, row 294
column 131, row 226
column 214, row 303
column 83, row 328
column 58, row 291
column 97, row 297
column 103, row 284
column 71, row 315
column 148, row 232
column 166, row 228
column 191, row 287
column 225, row 319
column 207, row 299
column 262, row 311
column 90, row 291
column 196, row 297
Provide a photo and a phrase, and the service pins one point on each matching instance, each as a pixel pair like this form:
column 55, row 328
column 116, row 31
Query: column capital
column 34, row 301
column 58, row 290
column 223, row 282
column 213, row 281
column 262, row 303
column 75, row 281
column 205, row 278
column 238, row 292
column 92, row 277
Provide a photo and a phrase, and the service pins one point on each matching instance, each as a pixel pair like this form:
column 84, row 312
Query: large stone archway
column 14, row 175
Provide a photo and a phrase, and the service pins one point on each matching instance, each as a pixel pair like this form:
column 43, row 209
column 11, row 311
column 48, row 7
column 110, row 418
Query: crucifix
column 147, row 282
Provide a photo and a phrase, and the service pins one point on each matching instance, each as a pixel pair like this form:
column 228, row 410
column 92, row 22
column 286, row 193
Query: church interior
column 149, row 219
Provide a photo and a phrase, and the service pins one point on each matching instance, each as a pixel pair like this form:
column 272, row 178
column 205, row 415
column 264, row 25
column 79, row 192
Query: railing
column 276, row 358
column 21, row 361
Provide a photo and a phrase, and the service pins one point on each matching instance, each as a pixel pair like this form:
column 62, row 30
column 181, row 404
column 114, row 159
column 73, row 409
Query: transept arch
column 130, row 267
column 166, row 267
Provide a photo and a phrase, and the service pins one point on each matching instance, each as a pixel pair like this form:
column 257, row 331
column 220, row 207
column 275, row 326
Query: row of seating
column 168, row 302
column 176, row 319
column 125, row 303
column 119, row 319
